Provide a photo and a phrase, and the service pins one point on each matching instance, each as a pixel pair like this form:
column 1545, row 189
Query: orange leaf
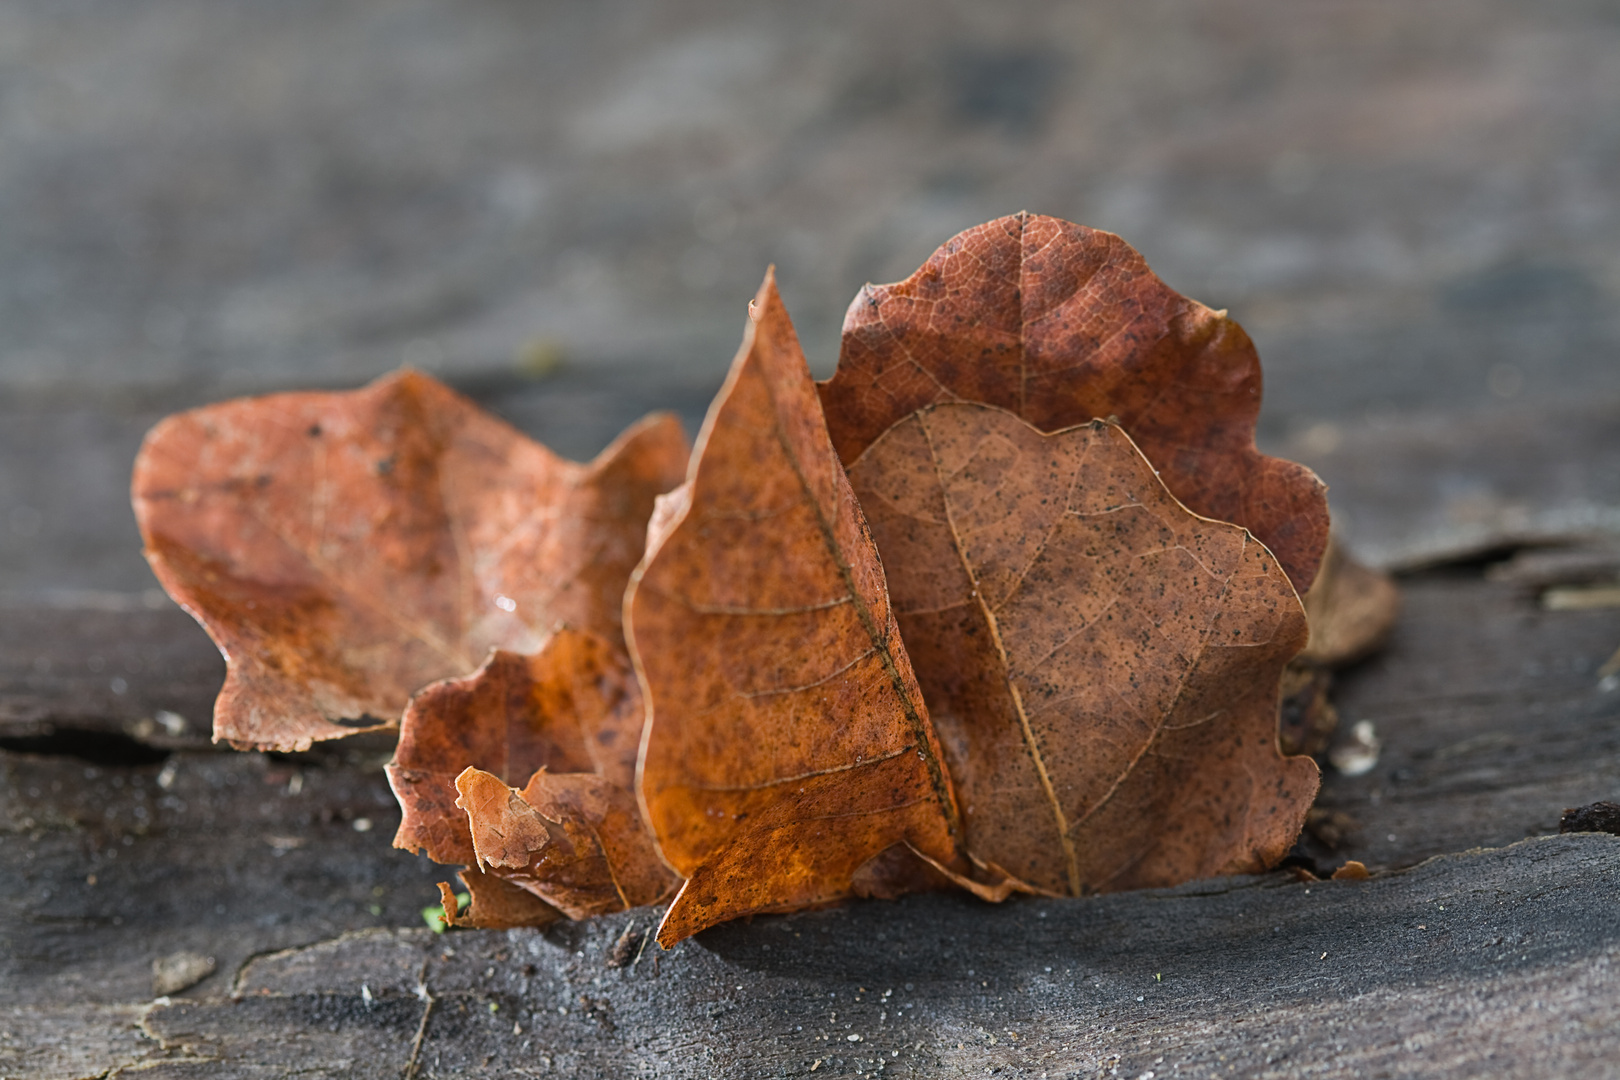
column 1101, row 664
column 574, row 707
column 1061, row 324
column 787, row 743
column 344, row 549
column 573, row 839
column 496, row 904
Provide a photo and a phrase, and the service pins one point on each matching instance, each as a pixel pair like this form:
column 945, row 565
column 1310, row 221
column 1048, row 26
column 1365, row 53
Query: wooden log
column 1496, row 962
column 232, row 856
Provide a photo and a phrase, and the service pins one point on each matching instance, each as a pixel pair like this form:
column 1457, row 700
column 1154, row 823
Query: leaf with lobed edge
column 1101, row 664
column 345, row 549
column 1062, row 324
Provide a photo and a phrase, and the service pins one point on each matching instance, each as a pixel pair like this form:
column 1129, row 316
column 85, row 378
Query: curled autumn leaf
column 493, row 903
column 574, row 707
column 1059, row 678
column 567, row 721
column 345, row 549
column 575, row 840
column 1062, row 324
column 1352, row 610
column 1101, row 664
column 787, row 743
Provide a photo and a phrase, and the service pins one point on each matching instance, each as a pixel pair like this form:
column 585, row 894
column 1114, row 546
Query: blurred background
column 563, row 209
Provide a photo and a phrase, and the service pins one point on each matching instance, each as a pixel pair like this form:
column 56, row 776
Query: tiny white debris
column 1357, row 755
column 166, row 775
column 179, row 971
column 296, row 784
column 362, row 824
column 172, row 722
column 853, row 1038
column 505, row 603
column 365, row 994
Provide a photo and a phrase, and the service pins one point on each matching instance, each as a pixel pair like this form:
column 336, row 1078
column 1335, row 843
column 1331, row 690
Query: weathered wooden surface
column 1492, row 717
column 1494, row 963
column 1429, row 485
column 1413, row 209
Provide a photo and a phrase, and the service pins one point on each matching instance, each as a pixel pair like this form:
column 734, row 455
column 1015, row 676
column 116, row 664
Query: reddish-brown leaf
column 345, row 549
column 1062, row 324
column 575, row 840
column 1101, row 664
column 574, row 707
column 495, row 903
column 787, row 743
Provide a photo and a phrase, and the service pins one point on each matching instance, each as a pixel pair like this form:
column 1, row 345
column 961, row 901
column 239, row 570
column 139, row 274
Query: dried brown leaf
column 1352, row 610
column 574, row 707
column 1101, row 664
column 496, row 904
column 345, row 549
column 1062, row 324
column 787, row 743
column 573, row 839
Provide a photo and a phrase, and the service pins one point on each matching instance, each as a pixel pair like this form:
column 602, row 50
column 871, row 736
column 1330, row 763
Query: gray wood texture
column 562, row 209
column 1493, row 720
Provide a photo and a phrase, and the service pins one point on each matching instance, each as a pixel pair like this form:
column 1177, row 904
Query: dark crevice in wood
column 106, row 748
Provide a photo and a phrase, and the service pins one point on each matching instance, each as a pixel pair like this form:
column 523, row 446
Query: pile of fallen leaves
column 1004, row 604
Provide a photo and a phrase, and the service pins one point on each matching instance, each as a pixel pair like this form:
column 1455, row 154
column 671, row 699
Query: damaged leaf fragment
column 573, row 839
column 1596, row 817
column 567, row 721
column 493, row 903
column 574, row 707
column 345, row 549
column 1352, row 609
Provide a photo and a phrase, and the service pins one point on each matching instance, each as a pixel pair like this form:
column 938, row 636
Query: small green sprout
column 434, row 916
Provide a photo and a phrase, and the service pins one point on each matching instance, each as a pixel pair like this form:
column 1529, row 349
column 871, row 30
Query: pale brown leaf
column 1101, row 664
